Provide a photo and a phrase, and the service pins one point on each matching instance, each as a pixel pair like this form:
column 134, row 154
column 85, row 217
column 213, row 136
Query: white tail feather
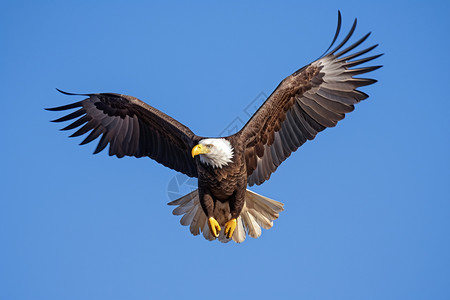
column 206, row 234
column 252, row 228
column 239, row 232
column 187, row 219
column 197, row 221
column 258, row 211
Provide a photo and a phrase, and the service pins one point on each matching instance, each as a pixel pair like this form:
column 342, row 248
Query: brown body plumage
column 226, row 184
column 315, row 97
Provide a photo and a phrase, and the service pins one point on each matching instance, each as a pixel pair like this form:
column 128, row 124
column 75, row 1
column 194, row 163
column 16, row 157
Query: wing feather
column 131, row 128
column 313, row 98
column 78, row 122
column 93, row 135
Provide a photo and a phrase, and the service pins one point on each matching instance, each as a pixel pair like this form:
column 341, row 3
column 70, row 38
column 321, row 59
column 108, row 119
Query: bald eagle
column 313, row 98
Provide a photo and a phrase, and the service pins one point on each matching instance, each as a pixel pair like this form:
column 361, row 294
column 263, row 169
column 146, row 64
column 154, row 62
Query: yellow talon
column 230, row 226
column 214, row 226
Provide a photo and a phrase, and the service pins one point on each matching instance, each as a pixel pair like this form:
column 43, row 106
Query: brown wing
column 133, row 128
column 305, row 103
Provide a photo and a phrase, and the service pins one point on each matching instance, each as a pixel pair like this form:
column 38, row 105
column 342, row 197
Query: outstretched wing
column 133, row 128
column 315, row 97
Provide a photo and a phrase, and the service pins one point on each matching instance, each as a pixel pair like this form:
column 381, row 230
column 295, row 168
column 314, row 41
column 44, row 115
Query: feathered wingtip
column 66, row 107
column 338, row 29
column 71, row 94
column 329, row 52
column 340, row 57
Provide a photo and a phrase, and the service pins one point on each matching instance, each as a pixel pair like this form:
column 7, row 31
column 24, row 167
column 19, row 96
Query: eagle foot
column 214, row 227
column 230, row 226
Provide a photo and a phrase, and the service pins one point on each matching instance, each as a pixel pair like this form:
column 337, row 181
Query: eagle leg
column 214, row 226
column 230, row 226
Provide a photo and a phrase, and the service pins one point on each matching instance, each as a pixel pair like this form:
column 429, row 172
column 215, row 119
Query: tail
column 258, row 211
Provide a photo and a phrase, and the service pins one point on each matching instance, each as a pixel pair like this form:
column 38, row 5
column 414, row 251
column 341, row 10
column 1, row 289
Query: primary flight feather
column 315, row 97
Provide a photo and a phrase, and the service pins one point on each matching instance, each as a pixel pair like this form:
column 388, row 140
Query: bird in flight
column 313, row 98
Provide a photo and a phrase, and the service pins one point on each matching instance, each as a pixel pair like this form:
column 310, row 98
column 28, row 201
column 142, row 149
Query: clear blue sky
column 367, row 203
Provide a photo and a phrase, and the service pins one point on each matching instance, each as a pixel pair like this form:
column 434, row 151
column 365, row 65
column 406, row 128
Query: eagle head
column 214, row 152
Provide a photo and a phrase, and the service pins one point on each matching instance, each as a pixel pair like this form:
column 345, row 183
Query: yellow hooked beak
column 200, row 149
